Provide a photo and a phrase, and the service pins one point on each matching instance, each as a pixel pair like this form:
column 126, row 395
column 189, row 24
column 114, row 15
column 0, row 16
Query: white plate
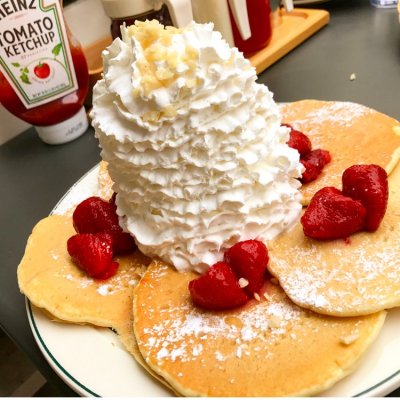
column 93, row 363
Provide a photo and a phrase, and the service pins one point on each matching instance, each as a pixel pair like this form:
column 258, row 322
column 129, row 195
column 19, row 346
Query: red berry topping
column 94, row 215
column 331, row 215
column 314, row 162
column 318, row 157
column 248, row 259
column 310, row 172
column 369, row 184
column 93, row 254
column 217, row 289
column 299, row 141
column 122, row 242
column 109, row 272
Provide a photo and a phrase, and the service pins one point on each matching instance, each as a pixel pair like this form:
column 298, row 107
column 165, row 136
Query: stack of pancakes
column 316, row 315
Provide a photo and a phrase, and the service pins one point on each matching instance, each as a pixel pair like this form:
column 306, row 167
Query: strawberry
column 369, row 184
column 94, row 215
column 310, row 172
column 299, row 141
column 217, row 289
column 93, row 253
column 109, row 272
column 122, row 242
column 248, row 259
column 314, row 162
column 331, row 215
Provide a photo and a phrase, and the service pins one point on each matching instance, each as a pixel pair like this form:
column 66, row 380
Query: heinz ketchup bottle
column 43, row 72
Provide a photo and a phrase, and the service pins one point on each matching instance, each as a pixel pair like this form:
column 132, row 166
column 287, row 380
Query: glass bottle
column 44, row 77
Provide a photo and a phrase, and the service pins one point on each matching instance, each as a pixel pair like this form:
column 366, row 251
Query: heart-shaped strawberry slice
column 249, row 260
column 369, row 184
column 331, row 215
column 95, row 215
column 217, row 289
column 93, row 254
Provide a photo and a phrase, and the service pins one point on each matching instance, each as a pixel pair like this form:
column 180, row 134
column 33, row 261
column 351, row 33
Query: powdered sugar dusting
column 79, row 279
column 185, row 332
column 338, row 114
column 205, row 352
column 340, row 278
column 54, row 255
column 103, row 289
column 128, row 275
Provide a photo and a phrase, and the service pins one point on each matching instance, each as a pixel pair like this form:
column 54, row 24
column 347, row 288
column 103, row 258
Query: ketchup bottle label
column 34, row 52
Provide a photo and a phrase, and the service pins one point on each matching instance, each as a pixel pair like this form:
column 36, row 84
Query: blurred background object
column 302, row 3
column 169, row 12
column 384, row 3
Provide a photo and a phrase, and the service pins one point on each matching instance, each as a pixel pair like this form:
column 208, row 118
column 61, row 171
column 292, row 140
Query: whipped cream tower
column 194, row 145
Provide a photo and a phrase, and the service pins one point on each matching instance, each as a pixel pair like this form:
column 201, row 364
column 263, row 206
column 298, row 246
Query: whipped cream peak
column 167, row 68
column 195, row 146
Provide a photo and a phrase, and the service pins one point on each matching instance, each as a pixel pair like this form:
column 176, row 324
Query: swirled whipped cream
column 193, row 144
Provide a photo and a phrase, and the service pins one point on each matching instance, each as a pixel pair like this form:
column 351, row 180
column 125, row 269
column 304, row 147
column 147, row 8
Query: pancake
column 352, row 133
column 52, row 282
column 350, row 277
column 50, row 279
column 268, row 348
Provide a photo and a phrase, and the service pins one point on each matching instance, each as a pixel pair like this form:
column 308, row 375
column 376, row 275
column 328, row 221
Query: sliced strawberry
column 248, row 259
column 310, row 173
column 92, row 253
column 369, row 184
column 299, row 141
column 217, row 289
column 314, row 162
column 109, row 272
column 122, row 242
column 318, row 157
column 331, row 215
column 94, row 215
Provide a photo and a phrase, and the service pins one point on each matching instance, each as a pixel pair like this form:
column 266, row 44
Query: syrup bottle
column 44, row 77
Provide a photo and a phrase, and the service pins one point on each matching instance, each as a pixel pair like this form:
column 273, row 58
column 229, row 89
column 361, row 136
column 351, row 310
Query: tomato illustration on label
column 42, row 70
